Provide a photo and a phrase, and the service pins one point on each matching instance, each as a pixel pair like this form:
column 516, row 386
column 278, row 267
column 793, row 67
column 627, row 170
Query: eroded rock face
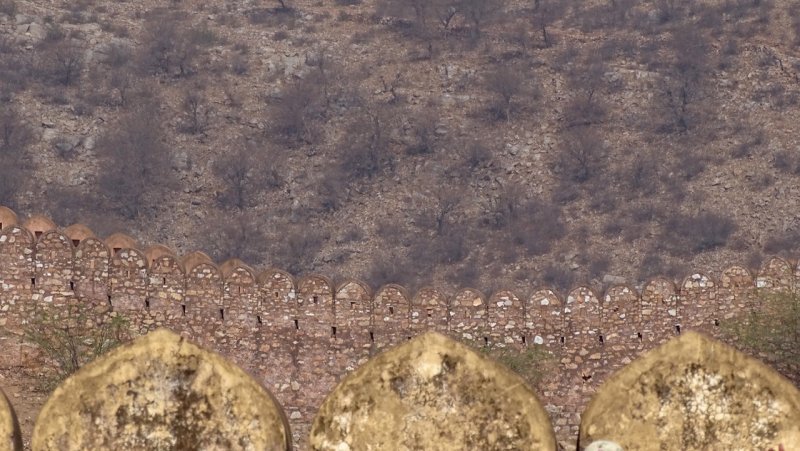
column 432, row 393
column 694, row 393
column 10, row 437
column 161, row 392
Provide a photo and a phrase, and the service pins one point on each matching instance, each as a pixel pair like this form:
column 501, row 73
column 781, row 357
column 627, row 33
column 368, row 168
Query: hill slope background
column 455, row 142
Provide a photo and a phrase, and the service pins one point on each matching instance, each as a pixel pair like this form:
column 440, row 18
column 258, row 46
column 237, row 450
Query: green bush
column 771, row 330
column 532, row 363
column 72, row 337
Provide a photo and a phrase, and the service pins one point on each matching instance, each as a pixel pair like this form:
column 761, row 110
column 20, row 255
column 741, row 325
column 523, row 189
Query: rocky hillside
column 456, row 142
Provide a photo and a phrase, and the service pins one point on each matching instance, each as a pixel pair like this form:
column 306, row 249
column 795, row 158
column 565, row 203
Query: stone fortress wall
column 299, row 336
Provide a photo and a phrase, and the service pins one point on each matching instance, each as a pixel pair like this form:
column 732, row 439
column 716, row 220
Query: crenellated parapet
column 300, row 334
column 166, row 284
column 41, row 263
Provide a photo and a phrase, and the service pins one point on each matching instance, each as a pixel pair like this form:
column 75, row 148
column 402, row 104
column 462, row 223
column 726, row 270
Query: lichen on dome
column 694, row 393
column 432, row 393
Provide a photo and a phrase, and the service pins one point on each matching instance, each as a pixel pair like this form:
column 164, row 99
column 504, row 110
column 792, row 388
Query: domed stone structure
column 77, row 233
column 694, row 393
column 118, row 241
column 432, row 393
column 7, row 217
column 38, row 225
column 161, row 392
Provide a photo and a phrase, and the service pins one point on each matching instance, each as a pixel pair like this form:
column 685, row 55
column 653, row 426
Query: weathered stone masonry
column 299, row 337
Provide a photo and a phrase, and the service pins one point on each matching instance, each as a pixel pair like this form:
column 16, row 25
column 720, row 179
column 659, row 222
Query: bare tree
column 247, row 172
column 66, row 62
column 116, row 74
column 582, row 156
column 366, row 144
column 123, row 83
column 417, row 11
column 642, row 177
column 135, row 162
column 697, row 233
column 545, row 12
column 428, row 19
column 423, row 130
column 386, row 268
column 14, row 133
column 438, row 215
column 113, row 79
column 298, row 248
column 506, row 84
column 537, row 226
column 15, row 164
column 332, row 190
column 392, row 85
column 8, row 7
column 451, row 247
column 474, row 155
column 196, row 111
column 241, row 235
column 447, row 202
column 620, row 10
column 296, row 115
column 59, row 59
column 15, row 68
column 479, row 12
column 445, row 11
column 168, row 46
column 684, row 82
column 506, row 207
column 586, row 80
column 329, row 77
